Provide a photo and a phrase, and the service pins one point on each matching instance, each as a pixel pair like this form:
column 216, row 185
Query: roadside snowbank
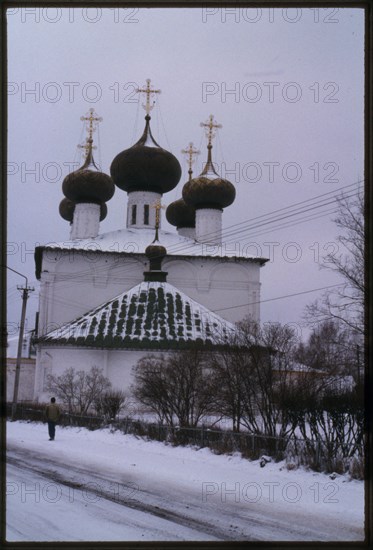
column 223, row 481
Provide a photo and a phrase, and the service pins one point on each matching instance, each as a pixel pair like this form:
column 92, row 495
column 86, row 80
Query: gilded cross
column 90, row 118
column 190, row 152
column 210, row 125
column 92, row 121
column 158, row 206
column 148, row 92
column 87, row 146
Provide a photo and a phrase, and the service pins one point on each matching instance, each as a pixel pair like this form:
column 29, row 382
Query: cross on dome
column 88, row 146
column 190, row 152
column 158, row 206
column 90, row 118
column 210, row 126
column 148, row 92
column 92, row 121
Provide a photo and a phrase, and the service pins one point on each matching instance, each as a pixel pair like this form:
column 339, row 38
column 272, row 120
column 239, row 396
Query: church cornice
column 81, row 251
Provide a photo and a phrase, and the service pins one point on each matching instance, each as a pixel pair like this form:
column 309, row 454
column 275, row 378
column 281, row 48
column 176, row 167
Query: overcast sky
column 292, row 124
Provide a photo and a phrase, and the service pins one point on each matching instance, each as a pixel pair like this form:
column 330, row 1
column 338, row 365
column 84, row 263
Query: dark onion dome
column 155, row 253
column 103, row 211
column 181, row 214
column 88, row 184
column 209, row 190
column 146, row 166
column 67, row 208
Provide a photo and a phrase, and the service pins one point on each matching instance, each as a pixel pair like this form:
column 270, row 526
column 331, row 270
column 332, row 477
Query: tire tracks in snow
column 236, row 522
column 46, row 468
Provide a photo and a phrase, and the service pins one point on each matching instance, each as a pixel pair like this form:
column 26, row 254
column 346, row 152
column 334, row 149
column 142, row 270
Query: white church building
column 108, row 299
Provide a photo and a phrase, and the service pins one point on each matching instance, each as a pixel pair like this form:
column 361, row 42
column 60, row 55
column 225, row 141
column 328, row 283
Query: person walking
column 52, row 413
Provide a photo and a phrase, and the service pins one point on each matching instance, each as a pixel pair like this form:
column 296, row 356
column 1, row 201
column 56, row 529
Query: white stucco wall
column 209, row 225
column 73, row 283
column 140, row 199
column 117, row 365
column 26, row 379
column 86, row 221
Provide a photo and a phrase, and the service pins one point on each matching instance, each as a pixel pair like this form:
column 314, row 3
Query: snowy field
column 103, row 486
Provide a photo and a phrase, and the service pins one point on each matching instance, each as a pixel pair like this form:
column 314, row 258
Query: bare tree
column 191, row 386
column 151, row 387
column 111, row 403
column 332, row 347
column 346, row 303
column 79, row 390
column 229, row 369
column 331, row 423
column 178, row 386
column 254, row 376
column 271, row 356
column 63, row 387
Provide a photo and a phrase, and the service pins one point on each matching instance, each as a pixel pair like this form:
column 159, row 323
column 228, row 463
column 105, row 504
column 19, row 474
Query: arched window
column 133, row 214
column 146, row 214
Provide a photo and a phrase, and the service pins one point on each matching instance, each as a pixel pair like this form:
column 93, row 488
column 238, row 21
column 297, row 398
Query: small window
column 133, row 217
column 146, row 214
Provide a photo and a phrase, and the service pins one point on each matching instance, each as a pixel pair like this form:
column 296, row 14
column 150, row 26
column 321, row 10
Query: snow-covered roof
column 150, row 315
column 301, row 367
column 136, row 240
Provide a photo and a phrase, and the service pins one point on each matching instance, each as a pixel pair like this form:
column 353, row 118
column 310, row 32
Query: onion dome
column 181, row 214
column 88, row 183
column 146, row 166
column 209, row 190
column 67, row 208
column 155, row 253
column 103, row 211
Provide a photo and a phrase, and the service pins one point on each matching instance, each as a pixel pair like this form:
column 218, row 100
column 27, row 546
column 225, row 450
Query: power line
column 279, row 297
column 297, row 213
column 119, row 279
column 334, row 192
column 248, row 224
column 128, row 269
column 82, row 274
column 286, row 225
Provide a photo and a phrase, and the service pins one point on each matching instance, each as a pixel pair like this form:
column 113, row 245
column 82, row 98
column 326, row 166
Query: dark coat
column 52, row 412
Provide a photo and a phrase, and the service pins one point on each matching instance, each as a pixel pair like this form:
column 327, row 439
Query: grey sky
column 298, row 102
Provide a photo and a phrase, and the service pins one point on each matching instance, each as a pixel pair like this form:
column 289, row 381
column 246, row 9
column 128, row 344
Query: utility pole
column 25, row 292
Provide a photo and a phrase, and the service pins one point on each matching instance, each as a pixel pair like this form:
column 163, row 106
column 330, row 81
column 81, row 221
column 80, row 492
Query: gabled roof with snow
column 152, row 315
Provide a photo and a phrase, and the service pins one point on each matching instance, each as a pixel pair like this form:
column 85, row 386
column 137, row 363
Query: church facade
column 108, row 299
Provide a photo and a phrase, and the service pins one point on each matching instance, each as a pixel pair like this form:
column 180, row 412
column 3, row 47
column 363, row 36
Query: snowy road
column 103, row 486
column 154, row 514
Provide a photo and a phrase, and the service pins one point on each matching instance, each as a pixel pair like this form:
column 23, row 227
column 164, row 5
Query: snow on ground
column 246, row 501
column 44, row 511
